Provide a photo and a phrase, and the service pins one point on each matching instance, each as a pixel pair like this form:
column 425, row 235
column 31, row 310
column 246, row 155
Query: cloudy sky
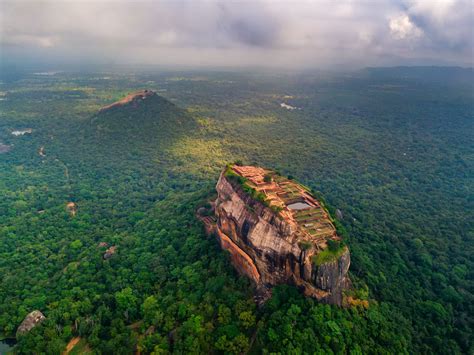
column 293, row 34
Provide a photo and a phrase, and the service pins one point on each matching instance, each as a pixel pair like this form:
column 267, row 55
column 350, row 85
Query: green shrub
column 233, row 176
column 305, row 245
column 276, row 209
column 333, row 245
column 327, row 256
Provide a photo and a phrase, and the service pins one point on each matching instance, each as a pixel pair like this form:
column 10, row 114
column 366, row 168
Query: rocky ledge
column 277, row 232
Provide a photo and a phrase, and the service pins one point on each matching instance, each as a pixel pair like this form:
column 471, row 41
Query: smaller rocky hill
column 140, row 117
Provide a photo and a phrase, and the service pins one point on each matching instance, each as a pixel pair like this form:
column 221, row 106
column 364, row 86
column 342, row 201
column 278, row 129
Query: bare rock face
column 275, row 246
column 132, row 99
column 110, row 252
column 31, row 320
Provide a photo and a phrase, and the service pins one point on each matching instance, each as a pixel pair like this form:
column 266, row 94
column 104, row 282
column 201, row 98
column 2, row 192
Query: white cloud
column 401, row 27
column 447, row 22
column 42, row 41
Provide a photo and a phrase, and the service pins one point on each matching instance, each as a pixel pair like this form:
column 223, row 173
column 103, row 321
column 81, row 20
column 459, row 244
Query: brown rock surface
column 272, row 243
column 133, row 99
column 71, row 207
column 109, row 252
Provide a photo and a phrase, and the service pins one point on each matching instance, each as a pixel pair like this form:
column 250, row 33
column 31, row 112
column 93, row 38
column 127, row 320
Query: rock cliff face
column 272, row 244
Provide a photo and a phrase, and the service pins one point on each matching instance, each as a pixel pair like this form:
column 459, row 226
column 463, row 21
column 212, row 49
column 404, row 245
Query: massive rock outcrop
column 277, row 232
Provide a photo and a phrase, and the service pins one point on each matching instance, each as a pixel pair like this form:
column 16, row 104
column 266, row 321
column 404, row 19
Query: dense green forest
column 391, row 148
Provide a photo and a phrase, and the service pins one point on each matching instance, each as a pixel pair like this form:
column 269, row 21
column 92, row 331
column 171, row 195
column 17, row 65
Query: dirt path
column 252, row 341
column 72, row 343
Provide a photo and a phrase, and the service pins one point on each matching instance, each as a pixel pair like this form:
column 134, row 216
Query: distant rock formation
column 31, row 320
column 132, row 99
column 276, row 232
column 71, row 207
column 109, row 252
column 140, row 118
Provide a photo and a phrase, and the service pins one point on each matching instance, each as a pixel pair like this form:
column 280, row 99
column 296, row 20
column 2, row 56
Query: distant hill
column 453, row 75
column 140, row 117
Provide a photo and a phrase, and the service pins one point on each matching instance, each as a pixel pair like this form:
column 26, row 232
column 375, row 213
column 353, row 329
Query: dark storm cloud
column 254, row 34
column 261, row 32
column 254, row 28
